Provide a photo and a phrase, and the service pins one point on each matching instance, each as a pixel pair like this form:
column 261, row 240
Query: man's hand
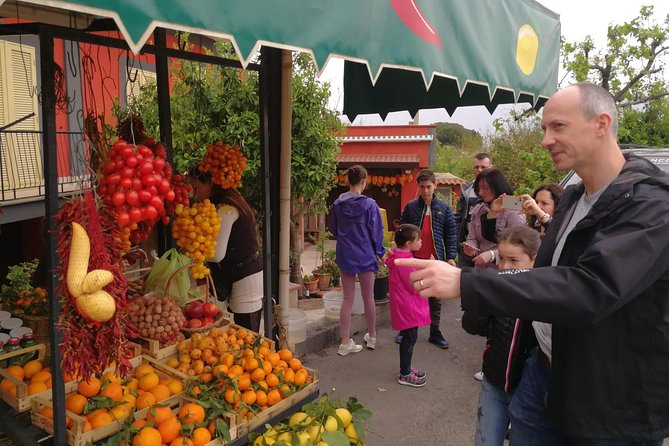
column 433, row 278
column 451, row 262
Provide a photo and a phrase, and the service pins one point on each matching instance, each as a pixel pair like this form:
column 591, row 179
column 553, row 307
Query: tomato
column 145, row 152
column 127, row 172
column 126, row 152
column 135, row 215
column 150, row 213
column 119, row 145
column 144, row 195
column 166, row 220
column 137, row 184
column 170, row 195
column 119, row 164
column 153, row 190
column 123, row 219
column 114, row 178
column 132, row 161
column 157, row 203
column 132, row 198
column 164, row 186
column 126, row 183
column 148, row 180
column 109, row 168
column 158, row 164
column 146, row 168
column 118, row 199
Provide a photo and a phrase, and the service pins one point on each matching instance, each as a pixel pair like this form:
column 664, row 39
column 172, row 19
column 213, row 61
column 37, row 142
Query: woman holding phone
column 540, row 206
column 489, row 218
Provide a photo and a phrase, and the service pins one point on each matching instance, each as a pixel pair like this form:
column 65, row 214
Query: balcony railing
column 21, row 165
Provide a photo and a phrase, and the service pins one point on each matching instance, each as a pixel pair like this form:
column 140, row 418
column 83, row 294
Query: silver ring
column 422, row 285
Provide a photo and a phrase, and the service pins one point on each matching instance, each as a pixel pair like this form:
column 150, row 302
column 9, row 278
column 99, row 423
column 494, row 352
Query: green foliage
column 18, row 279
column 456, row 146
column 451, row 134
column 631, row 67
column 516, row 150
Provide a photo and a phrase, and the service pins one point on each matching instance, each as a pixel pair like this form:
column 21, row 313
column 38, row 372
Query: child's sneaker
column 418, row 373
column 411, row 380
column 370, row 341
column 351, row 347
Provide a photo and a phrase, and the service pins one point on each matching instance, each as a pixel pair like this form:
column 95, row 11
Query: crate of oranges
column 21, row 383
column 188, row 424
column 99, row 406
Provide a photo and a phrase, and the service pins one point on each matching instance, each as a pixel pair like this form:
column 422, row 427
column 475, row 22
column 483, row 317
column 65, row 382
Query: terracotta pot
column 312, row 285
column 323, row 280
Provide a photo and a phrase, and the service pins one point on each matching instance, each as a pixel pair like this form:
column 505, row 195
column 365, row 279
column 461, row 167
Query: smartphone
column 473, row 248
column 512, row 203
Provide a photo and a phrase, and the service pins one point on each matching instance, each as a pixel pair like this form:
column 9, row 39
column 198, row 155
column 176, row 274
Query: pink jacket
column 407, row 308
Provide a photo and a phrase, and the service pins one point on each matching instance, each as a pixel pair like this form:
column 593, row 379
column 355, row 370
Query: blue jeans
column 493, row 415
column 527, row 411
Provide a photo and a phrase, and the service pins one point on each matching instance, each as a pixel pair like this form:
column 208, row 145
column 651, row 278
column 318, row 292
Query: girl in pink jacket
column 408, row 310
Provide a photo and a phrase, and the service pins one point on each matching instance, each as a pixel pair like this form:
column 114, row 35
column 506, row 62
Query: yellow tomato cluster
column 225, row 163
column 195, row 230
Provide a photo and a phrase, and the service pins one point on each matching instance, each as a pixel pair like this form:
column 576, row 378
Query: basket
column 40, row 328
column 222, row 316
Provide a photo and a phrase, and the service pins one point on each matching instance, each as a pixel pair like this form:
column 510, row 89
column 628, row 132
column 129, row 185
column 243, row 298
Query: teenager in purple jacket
column 358, row 227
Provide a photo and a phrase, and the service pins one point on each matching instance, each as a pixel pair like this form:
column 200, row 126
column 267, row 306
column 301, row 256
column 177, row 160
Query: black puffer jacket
column 506, row 350
column 608, row 301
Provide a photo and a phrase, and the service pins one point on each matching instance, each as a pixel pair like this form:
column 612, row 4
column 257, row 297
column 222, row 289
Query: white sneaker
column 351, row 347
column 370, row 341
column 478, row 376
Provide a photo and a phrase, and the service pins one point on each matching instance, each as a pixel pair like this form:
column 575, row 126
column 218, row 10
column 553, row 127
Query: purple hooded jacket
column 357, row 225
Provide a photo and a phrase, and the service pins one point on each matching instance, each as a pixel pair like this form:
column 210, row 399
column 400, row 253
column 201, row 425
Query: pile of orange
column 33, row 373
column 195, row 230
column 233, row 367
column 225, row 163
column 164, row 427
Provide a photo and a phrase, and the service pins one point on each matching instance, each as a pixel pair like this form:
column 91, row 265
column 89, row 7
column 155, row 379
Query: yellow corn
column 77, row 267
column 99, row 306
column 96, row 280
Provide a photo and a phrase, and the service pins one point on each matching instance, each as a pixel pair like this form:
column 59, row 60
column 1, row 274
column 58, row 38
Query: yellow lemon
column 331, row 424
column 345, row 416
column 527, row 47
column 297, row 418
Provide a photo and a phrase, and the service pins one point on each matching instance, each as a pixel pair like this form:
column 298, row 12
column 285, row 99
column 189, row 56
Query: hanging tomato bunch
column 137, row 183
column 195, row 230
column 378, row 180
column 225, row 163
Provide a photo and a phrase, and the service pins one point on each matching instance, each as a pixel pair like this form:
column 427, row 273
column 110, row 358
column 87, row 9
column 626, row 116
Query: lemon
column 285, row 436
column 345, row 416
column 331, row 424
column 315, row 432
column 351, row 433
column 304, row 438
column 298, row 417
column 527, row 47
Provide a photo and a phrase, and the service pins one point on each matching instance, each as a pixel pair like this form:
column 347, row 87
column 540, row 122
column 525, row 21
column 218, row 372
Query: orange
column 36, row 387
column 87, row 426
column 228, row 360
column 120, row 412
column 250, row 364
column 273, row 397
column 89, row 388
column 263, row 351
column 288, row 375
column 138, row 424
column 8, row 387
column 257, row 375
column 16, row 371
column 147, row 436
column 148, row 381
column 267, row 367
column 76, row 402
column 272, row 380
column 191, row 413
column 244, row 382
column 285, row 354
column 161, row 392
column 159, row 414
column 101, row 418
column 249, row 397
column 181, row 441
column 285, row 390
column 295, row 364
column 47, row 412
column 262, row 385
column 248, row 353
column 111, row 377
column 143, row 369
column 145, row 400
column 113, row 391
column 132, row 384
column 201, row 436
column 169, row 429
column 32, row 367
column 261, row 398
column 301, row 377
column 235, row 370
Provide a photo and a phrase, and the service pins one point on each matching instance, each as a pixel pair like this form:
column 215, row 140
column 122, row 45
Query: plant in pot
column 323, row 271
column 381, row 279
column 310, row 282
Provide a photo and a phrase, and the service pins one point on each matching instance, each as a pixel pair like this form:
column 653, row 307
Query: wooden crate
column 230, row 419
column 21, row 401
column 285, row 404
column 76, row 435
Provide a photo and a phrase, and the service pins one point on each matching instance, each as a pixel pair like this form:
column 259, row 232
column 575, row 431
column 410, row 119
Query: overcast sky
column 578, row 19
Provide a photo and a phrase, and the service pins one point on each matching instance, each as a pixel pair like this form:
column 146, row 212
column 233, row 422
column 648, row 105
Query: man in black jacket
column 601, row 279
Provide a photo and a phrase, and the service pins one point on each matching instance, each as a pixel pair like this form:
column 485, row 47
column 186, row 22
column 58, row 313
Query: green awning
column 456, row 52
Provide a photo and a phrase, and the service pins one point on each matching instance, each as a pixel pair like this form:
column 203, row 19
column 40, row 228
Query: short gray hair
column 595, row 100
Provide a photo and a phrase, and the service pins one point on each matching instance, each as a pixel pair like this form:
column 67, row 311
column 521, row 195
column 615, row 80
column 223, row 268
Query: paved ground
column 441, row 413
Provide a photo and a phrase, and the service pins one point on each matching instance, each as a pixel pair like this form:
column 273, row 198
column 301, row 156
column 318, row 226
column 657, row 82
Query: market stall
column 248, row 25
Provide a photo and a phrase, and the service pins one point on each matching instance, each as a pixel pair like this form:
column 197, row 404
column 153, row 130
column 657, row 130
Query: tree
column 212, row 103
column 516, row 150
column 630, row 67
column 456, row 145
column 451, row 134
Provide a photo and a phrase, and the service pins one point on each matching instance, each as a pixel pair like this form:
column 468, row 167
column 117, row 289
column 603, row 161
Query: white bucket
column 297, row 326
column 334, row 299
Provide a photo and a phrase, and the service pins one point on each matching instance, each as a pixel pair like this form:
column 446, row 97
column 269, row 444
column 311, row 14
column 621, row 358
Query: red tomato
column 170, row 195
column 153, row 190
column 150, row 213
column 137, row 184
column 157, row 203
column 158, row 164
column 123, row 219
column 135, row 215
column 109, row 168
column 118, row 199
column 148, row 180
column 145, row 152
column 146, row 168
column 164, row 186
column 144, row 195
column 119, row 165
column 132, row 161
column 126, row 152
column 126, row 183
column 119, row 145
column 127, row 172
column 166, row 220
column 132, row 197
column 114, row 178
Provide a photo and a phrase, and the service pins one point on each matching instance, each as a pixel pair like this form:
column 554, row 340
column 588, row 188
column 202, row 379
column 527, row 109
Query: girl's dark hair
column 556, row 193
column 406, row 233
column 523, row 236
column 495, row 180
column 223, row 196
column 356, row 174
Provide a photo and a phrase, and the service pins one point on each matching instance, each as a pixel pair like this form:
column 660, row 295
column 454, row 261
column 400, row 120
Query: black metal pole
column 50, row 157
column 165, row 240
column 270, row 141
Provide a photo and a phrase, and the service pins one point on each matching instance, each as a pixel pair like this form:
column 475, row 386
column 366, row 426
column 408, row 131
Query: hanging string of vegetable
column 91, row 346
